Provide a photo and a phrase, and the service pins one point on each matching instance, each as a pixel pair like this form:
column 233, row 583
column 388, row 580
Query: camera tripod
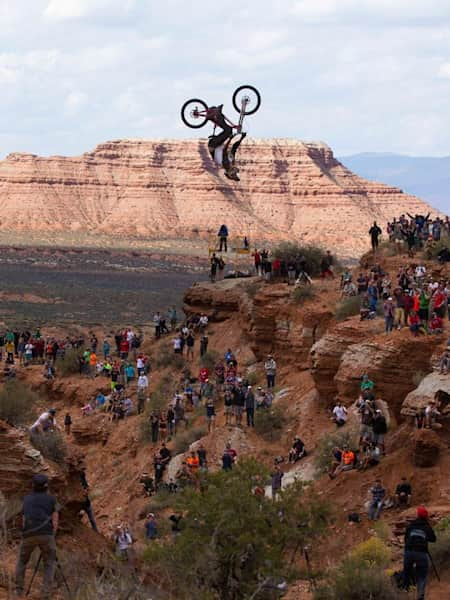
column 58, row 566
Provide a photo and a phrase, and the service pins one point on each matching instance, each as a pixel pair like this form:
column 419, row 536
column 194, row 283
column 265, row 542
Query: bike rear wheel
column 251, row 98
column 190, row 113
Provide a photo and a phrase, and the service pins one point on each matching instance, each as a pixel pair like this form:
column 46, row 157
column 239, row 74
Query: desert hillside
column 170, row 189
column 322, row 348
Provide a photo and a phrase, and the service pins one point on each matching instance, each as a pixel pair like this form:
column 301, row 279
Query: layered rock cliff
column 154, row 189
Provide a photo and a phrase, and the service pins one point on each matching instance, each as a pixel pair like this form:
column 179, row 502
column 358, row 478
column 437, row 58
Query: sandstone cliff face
column 171, row 189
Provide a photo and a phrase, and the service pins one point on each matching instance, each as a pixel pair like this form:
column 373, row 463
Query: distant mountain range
column 425, row 177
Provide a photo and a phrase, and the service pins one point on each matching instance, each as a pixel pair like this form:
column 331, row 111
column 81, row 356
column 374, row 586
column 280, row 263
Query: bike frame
column 238, row 127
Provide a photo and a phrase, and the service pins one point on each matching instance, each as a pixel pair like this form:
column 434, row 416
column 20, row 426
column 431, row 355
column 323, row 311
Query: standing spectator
column 157, row 324
column 276, row 481
column 151, row 530
column 172, row 317
column 123, row 541
column 270, row 366
column 40, row 523
column 326, row 266
column 214, row 262
column 210, row 415
column 250, row 404
column 415, row 563
column 257, row 262
column 67, row 423
column 204, row 344
column 223, row 238
column 374, row 233
column 142, row 384
column 389, row 315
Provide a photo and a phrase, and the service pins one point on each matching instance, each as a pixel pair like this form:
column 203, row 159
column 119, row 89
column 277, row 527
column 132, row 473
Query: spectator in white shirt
column 340, row 414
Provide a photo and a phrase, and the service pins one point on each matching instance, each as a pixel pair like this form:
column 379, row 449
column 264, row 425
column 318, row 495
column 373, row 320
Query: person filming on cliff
column 40, row 523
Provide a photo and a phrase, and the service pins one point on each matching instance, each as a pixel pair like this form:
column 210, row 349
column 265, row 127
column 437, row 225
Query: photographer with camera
column 40, row 523
column 416, row 559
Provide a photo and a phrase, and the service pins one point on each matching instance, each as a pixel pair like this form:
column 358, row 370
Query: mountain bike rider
column 218, row 145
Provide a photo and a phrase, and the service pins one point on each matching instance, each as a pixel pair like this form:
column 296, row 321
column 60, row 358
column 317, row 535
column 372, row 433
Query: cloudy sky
column 361, row 75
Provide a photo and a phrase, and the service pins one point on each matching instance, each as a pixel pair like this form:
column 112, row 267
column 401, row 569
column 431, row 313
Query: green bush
column 17, row 403
column 209, row 360
column 166, row 357
column 440, row 551
column 184, row 439
column 291, row 251
column 323, row 452
column 269, row 423
column 371, row 552
column 348, row 307
column 51, row 445
column 302, row 293
column 252, row 377
column 68, row 365
column 353, row 581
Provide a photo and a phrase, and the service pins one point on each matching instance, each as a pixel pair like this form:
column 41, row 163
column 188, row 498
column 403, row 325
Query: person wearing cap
column 151, row 530
column 389, row 315
column 270, row 367
column 40, row 523
column 415, row 561
column 379, row 430
column 46, row 422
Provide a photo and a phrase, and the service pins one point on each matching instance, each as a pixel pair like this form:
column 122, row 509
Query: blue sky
column 361, row 75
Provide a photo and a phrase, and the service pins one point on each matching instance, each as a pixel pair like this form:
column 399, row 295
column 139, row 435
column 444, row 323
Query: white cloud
column 444, row 71
column 77, row 9
column 74, row 102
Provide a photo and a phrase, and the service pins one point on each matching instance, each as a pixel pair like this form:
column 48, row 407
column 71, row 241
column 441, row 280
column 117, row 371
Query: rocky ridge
column 171, row 189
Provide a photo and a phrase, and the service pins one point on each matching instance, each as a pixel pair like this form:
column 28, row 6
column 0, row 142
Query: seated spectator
column 347, row 462
column 419, row 418
column 87, row 410
column 444, row 363
column 364, row 310
column 431, row 415
column 349, row 289
column 147, row 483
column 436, row 324
column 415, row 325
column 297, row 451
column 127, row 407
column 371, row 456
column 403, row 493
column 366, row 383
column 340, row 415
column 378, row 494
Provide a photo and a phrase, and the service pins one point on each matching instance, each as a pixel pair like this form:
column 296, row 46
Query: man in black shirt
column 417, row 535
column 403, row 493
column 40, row 522
column 374, row 233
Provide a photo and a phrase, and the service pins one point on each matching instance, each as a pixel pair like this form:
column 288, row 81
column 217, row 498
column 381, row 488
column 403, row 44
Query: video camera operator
column 40, row 523
column 417, row 535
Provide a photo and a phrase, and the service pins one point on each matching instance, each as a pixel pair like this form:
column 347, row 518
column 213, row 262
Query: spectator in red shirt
column 436, row 324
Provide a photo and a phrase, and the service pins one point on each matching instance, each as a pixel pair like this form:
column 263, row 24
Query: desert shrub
column 17, row 403
column 348, row 307
column 184, row 439
column 440, row 551
column 51, row 445
column 388, row 248
column 253, row 288
column 167, row 358
column 382, row 530
column 269, row 423
column 372, row 552
column 323, row 452
column 303, row 293
column 291, row 251
column 209, row 359
column 361, row 575
column 252, row 378
column 353, row 581
column 68, row 364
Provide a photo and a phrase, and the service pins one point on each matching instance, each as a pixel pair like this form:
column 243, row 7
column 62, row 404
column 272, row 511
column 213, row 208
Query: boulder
column 432, row 387
column 392, row 363
column 426, row 447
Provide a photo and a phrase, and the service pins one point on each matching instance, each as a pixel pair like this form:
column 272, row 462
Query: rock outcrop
column 391, row 364
column 20, row 461
column 171, row 189
column 432, row 387
column 426, row 447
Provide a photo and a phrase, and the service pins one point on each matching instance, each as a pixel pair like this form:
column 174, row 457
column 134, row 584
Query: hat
column 422, row 512
column 249, row 387
column 390, row 298
column 378, row 410
column 52, row 411
column 40, row 480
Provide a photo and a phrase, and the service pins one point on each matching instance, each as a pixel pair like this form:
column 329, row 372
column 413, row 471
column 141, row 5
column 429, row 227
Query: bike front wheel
column 246, row 99
column 193, row 113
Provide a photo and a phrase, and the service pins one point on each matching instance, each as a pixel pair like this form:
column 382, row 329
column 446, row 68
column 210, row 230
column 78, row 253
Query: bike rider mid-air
column 219, row 145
